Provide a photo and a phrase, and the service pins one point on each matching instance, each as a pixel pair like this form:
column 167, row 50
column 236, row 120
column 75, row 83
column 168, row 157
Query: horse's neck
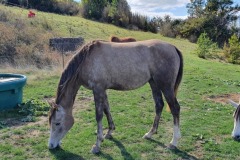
column 68, row 99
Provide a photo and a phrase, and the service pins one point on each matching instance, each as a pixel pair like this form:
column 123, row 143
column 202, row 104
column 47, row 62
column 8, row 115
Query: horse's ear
column 234, row 104
column 51, row 103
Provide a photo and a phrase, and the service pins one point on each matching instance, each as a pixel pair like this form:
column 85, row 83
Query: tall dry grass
column 25, row 42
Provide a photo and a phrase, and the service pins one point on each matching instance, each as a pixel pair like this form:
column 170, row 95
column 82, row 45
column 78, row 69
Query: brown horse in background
column 122, row 40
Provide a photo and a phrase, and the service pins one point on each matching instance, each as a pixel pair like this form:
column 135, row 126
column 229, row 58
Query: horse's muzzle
column 52, row 146
column 236, row 138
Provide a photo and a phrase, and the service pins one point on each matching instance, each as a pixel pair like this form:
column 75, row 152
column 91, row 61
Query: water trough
column 11, row 90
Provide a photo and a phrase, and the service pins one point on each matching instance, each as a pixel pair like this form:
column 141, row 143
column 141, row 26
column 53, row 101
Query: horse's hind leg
column 175, row 110
column 111, row 125
column 157, row 96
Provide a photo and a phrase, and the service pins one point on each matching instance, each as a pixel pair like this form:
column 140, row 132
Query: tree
column 13, row 2
column 123, row 12
column 206, row 48
column 168, row 27
column 116, row 12
column 195, row 8
column 232, row 51
column 93, row 8
column 215, row 18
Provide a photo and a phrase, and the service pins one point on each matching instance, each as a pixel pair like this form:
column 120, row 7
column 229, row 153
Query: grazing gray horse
column 101, row 65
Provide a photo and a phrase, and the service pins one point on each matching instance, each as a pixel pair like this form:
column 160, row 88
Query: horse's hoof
column 108, row 136
column 147, row 136
column 171, row 147
column 95, row 149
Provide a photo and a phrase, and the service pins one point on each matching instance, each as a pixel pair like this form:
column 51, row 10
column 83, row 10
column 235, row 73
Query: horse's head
column 60, row 122
column 236, row 115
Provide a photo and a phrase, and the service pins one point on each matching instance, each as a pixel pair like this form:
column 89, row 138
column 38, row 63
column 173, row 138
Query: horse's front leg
column 99, row 105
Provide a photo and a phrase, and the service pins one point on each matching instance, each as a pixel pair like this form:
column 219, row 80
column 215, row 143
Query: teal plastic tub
column 11, row 90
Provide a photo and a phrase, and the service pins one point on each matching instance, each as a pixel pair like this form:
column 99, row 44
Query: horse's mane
column 237, row 113
column 70, row 72
column 51, row 113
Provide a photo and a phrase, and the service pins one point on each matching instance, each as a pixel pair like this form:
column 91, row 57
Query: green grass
column 205, row 125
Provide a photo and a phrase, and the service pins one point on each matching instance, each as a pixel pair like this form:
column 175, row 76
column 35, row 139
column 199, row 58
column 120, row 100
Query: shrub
column 167, row 31
column 206, row 48
column 68, row 7
column 232, row 50
column 193, row 38
column 32, row 109
column 7, row 44
column 3, row 16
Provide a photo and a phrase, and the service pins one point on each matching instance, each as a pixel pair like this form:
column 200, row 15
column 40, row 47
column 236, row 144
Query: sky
column 160, row 8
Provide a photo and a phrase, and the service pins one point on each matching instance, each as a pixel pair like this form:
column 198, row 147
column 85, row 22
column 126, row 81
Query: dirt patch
column 15, row 123
column 198, row 151
column 223, row 99
column 20, row 130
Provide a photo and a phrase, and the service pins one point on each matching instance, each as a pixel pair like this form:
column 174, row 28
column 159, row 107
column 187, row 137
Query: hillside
column 73, row 26
column 33, row 33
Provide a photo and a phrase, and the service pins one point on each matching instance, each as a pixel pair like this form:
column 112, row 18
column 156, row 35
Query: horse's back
column 153, row 53
column 130, row 65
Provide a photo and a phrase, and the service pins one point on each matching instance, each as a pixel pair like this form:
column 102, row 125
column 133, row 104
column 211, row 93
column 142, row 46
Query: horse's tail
column 180, row 72
column 179, row 76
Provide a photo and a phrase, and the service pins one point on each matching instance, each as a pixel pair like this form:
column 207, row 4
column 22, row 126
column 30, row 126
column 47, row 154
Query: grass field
column 206, row 126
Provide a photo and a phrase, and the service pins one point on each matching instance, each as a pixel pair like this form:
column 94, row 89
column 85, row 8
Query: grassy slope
column 205, row 125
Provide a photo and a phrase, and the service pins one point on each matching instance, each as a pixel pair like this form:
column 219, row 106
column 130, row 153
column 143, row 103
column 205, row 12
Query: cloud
column 160, row 8
column 161, row 14
column 157, row 4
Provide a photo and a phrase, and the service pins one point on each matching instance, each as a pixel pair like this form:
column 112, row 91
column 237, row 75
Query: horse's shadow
column 184, row 155
column 127, row 156
column 181, row 154
column 124, row 152
column 61, row 154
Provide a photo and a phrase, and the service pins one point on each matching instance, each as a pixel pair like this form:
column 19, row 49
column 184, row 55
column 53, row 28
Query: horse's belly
column 129, row 82
column 122, row 87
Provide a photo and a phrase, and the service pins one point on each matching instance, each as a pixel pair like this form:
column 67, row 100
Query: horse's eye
column 57, row 124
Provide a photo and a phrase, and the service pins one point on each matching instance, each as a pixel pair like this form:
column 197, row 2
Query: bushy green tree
column 232, row 51
column 215, row 17
column 169, row 27
column 206, row 48
column 117, row 12
column 93, row 9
